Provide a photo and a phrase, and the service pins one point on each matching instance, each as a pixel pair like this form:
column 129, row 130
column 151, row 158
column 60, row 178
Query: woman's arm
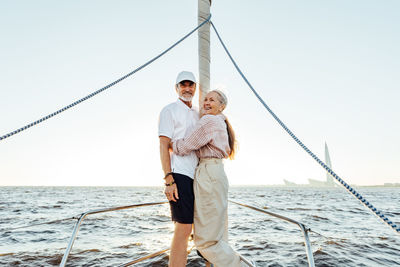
column 201, row 135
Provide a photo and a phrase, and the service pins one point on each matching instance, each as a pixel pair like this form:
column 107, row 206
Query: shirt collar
column 181, row 104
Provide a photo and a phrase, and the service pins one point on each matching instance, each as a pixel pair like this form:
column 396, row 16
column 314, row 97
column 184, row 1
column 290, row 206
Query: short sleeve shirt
column 176, row 121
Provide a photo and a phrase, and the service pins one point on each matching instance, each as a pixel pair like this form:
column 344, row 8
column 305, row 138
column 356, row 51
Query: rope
column 320, row 162
column 36, row 224
column 105, row 87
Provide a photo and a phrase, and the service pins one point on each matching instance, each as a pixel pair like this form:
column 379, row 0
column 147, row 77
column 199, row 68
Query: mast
column 204, row 50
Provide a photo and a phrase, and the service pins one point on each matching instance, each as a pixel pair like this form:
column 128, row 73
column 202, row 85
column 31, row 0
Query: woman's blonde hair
column 231, row 133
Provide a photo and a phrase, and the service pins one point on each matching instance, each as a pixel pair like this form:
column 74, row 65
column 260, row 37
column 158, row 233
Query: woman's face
column 212, row 105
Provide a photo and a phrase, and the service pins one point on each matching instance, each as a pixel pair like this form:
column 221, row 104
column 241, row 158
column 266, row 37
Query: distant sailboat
column 312, row 182
column 329, row 179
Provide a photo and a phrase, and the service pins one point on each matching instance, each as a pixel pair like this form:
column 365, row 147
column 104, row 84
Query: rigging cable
column 320, row 162
column 105, row 87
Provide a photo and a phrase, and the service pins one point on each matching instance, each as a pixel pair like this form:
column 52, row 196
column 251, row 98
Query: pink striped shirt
column 209, row 139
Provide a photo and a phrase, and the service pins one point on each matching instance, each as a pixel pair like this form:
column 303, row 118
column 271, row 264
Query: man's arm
column 170, row 191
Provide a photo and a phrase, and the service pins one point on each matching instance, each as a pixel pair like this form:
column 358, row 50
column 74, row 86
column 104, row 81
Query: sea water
column 349, row 234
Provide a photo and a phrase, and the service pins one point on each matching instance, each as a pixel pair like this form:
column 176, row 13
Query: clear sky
column 328, row 69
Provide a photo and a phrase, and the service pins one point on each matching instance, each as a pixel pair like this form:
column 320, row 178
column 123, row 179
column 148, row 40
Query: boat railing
column 304, row 229
column 74, row 235
column 91, row 212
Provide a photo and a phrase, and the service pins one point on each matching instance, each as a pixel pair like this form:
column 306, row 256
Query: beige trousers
column 210, row 188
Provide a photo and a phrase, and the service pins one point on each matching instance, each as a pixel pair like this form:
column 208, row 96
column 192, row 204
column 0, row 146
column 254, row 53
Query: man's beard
column 186, row 99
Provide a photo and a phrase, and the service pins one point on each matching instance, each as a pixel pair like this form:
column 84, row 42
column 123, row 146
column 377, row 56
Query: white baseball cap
column 185, row 76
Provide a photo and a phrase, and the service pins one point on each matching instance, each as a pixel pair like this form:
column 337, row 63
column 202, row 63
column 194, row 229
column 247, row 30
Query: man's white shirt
column 176, row 121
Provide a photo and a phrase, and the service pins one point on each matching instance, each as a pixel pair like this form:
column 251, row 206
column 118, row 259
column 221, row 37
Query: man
column 176, row 119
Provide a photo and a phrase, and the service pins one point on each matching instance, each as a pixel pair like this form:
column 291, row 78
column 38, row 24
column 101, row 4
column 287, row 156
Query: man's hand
column 171, row 192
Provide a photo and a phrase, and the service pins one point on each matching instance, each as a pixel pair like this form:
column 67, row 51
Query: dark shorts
column 183, row 209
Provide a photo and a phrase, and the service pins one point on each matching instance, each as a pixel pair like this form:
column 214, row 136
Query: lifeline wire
column 105, row 87
column 320, row 162
column 327, row 237
column 36, row 224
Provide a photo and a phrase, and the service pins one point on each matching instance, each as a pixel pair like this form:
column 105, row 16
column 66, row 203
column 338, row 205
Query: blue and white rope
column 105, row 87
column 320, row 162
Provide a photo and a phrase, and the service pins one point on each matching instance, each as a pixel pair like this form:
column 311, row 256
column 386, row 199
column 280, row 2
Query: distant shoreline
column 234, row 186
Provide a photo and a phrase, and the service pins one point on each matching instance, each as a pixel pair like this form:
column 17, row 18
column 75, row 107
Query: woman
column 212, row 139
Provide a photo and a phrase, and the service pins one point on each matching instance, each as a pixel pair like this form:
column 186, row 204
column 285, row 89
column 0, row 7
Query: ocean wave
column 319, row 218
column 131, row 245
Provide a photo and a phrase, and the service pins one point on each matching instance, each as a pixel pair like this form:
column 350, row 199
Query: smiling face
column 212, row 104
column 186, row 90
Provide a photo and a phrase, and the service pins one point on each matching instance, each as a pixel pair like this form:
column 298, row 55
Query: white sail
column 329, row 178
